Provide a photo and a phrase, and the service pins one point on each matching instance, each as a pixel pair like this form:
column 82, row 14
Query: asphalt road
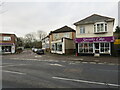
column 57, row 74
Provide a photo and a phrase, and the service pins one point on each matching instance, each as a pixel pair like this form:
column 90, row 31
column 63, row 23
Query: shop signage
column 95, row 39
column 117, row 41
column 6, row 43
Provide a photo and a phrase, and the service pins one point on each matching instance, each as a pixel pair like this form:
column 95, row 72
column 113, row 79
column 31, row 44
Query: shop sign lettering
column 95, row 39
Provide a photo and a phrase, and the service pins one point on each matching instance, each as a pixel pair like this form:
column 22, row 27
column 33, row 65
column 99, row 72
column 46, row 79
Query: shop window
column 81, row 48
column 6, row 48
column 59, row 46
column 91, row 47
column 53, row 47
column 106, row 44
column 86, row 48
column 102, row 47
column 105, row 47
column 91, row 50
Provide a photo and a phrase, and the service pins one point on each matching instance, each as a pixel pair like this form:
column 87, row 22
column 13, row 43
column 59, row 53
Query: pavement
column 29, row 55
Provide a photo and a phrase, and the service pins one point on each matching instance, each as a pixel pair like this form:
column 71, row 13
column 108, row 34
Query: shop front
column 57, row 47
column 101, row 45
column 7, row 48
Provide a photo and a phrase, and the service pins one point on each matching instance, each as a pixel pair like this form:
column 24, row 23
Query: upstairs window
column 6, row 38
column 100, row 27
column 56, row 36
column 66, row 35
column 82, row 30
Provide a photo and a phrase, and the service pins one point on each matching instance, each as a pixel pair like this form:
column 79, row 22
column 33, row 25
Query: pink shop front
column 101, row 45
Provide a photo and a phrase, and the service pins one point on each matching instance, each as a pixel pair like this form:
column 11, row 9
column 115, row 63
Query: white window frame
column 6, row 39
column 59, row 43
column 56, row 36
column 82, row 30
column 104, row 29
column 86, row 48
column 106, row 47
column 67, row 35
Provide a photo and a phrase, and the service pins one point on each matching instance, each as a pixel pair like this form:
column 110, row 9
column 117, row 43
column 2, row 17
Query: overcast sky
column 25, row 17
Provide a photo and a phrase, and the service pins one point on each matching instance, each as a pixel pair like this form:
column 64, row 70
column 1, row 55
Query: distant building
column 94, row 34
column 62, row 40
column 46, row 44
column 8, row 43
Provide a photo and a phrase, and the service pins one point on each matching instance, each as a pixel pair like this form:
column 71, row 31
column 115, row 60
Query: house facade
column 62, row 40
column 45, row 43
column 8, row 43
column 94, row 34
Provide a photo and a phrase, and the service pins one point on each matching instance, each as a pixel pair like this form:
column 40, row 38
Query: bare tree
column 41, row 34
column 30, row 37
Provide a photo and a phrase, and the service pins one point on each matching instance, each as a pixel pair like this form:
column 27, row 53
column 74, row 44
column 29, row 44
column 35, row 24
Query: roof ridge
column 91, row 16
column 63, row 29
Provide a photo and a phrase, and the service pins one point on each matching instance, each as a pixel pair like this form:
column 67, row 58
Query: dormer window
column 100, row 27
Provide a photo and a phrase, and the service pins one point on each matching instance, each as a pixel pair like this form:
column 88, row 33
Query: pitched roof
column 8, row 34
column 63, row 29
column 94, row 18
column 45, row 37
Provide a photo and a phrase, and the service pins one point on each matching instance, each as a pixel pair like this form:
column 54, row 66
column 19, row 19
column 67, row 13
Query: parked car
column 34, row 50
column 40, row 51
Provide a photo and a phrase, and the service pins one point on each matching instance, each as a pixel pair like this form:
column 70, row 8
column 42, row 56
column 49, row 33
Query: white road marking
column 13, row 72
column 111, row 64
column 7, row 63
column 92, row 62
column 13, row 65
column 84, row 62
column 84, row 81
column 63, row 61
column 100, row 63
column 38, row 56
column 72, row 63
column 57, row 65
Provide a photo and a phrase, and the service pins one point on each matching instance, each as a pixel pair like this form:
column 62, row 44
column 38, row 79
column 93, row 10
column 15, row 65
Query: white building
column 45, row 43
column 94, row 34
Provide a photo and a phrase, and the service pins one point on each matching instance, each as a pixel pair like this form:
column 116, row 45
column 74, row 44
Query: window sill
column 99, row 32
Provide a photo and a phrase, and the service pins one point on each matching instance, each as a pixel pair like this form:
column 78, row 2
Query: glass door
column 96, row 47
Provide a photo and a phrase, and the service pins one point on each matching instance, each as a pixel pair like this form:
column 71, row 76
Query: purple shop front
column 6, row 44
column 94, row 39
